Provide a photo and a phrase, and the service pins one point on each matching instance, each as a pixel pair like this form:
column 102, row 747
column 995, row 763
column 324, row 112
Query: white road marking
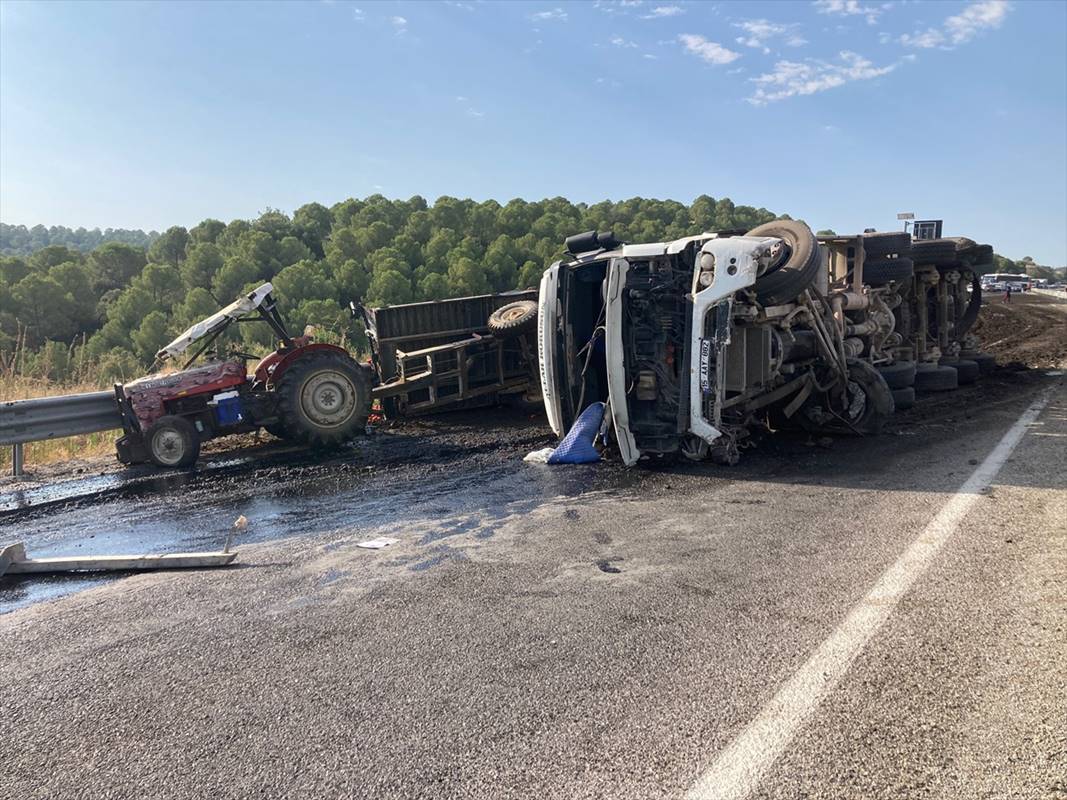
column 739, row 768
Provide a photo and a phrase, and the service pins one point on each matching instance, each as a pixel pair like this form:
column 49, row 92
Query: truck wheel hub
column 328, row 398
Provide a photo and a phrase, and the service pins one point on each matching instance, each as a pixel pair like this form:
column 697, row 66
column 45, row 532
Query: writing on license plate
column 705, row 364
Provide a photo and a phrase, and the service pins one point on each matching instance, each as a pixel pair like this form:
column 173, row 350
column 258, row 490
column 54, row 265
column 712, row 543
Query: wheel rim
column 328, row 398
column 857, row 401
column 512, row 314
column 168, row 446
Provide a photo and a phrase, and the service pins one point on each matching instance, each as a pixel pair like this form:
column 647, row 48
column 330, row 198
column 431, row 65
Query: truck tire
column 933, row 251
column 879, row 273
column 324, row 399
column 935, row 378
column 899, row 375
column 904, row 398
column 514, row 319
column 967, row 372
column 986, row 362
column 890, row 243
column 172, row 442
column 868, row 404
column 797, row 269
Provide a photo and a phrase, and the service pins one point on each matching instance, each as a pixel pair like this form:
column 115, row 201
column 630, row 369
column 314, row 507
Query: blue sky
column 842, row 112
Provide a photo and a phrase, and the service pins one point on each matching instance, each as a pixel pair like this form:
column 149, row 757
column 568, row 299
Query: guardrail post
column 16, row 460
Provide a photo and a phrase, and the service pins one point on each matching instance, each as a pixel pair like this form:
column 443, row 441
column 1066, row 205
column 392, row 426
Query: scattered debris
column 377, row 544
column 13, row 561
column 239, row 524
column 539, row 456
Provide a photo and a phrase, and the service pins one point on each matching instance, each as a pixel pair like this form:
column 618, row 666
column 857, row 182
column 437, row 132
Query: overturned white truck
column 693, row 342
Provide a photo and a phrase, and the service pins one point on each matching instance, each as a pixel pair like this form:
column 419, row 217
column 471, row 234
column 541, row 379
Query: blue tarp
column 577, row 445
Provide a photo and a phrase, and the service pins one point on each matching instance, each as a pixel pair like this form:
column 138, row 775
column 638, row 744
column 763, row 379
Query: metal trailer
column 440, row 354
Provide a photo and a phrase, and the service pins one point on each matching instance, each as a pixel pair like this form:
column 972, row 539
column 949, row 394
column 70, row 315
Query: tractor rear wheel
column 173, row 442
column 324, row 399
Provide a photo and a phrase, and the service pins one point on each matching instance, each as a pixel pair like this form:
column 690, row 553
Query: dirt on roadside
column 1029, row 331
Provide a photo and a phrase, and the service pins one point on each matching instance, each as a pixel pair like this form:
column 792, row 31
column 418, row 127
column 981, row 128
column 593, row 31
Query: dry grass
column 13, row 387
column 22, row 377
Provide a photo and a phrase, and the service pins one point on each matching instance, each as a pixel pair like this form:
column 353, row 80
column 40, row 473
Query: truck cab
column 686, row 341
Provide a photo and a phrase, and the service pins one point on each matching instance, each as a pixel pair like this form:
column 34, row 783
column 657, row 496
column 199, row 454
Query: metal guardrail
column 1055, row 294
column 45, row 418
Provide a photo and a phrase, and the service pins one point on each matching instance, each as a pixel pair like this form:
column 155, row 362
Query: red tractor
column 468, row 350
column 307, row 391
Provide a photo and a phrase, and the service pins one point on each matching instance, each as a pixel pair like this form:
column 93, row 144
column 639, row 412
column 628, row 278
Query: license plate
column 705, row 365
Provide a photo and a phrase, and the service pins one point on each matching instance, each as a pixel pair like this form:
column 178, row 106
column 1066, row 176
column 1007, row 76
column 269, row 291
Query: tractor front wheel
column 324, row 399
column 173, row 442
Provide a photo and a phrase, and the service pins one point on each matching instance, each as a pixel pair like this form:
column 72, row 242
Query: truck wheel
column 173, row 442
column 898, row 375
column 986, row 363
column 879, row 273
column 867, row 404
column 935, row 378
column 324, row 399
column 796, row 269
column 514, row 318
column 966, row 371
column 890, row 243
column 904, row 399
column 933, row 251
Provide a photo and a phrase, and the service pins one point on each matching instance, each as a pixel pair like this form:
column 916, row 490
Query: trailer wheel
column 514, row 318
column 798, row 266
column 324, row 399
column 173, row 442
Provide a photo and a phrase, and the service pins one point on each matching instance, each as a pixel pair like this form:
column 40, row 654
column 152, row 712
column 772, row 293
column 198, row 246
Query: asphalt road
column 579, row 632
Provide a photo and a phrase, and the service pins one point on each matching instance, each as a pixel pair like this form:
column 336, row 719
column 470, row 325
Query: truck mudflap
column 616, row 367
column 733, row 263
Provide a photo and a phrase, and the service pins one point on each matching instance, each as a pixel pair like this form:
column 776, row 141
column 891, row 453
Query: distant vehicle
column 999, row 280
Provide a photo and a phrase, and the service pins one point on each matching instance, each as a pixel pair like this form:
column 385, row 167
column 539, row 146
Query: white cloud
column 960, row 28
column 400, row 24
column 461, row 99
column 931, row 37
column 761, row 31
column 552, row 15
column 789, row 78
column 650, row 57
column 664, row 11
column 358, row 15
column 712, row 52
column 975, row 18
column 848, row 8
column 473, row 112
column 618, row 41
column 461, row 6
